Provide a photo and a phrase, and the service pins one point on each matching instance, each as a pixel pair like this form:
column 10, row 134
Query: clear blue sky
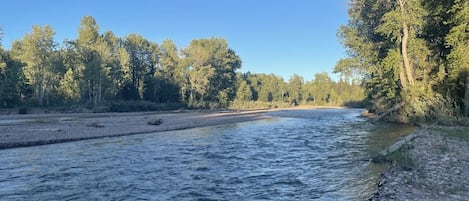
column 271, row 36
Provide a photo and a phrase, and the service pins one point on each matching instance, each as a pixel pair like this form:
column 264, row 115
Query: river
column 297, row 155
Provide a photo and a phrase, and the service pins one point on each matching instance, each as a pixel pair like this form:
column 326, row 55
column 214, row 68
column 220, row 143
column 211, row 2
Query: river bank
column 38, row 129
column 434, row 166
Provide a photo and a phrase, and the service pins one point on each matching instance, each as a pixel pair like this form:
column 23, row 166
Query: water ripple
column 300, row 155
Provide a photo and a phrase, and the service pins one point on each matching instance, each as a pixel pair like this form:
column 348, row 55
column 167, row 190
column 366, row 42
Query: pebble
column 436, row 175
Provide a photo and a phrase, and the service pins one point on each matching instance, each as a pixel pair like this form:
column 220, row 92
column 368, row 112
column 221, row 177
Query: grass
column 455, row 132
column 402, row 158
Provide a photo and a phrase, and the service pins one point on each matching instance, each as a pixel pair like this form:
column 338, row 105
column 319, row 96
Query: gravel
column 39, row 129
column 440, row 172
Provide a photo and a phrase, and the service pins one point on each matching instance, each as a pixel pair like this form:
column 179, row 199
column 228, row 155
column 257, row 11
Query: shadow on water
column 298, row 155
column 385, row 134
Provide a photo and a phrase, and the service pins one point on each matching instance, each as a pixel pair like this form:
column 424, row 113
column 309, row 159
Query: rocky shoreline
column 437, row 168
column 40, row 129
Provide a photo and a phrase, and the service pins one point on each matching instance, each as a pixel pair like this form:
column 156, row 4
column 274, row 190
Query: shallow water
column 298, row 155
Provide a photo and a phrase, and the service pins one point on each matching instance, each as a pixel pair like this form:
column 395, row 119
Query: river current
column 297, row 155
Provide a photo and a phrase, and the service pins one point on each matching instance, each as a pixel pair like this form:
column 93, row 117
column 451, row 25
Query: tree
column 322, row 87
column 244, row 92
column 296, row 89
column 458, row 40
column 398, row 24
column 143, row 58
column 111, row 52
column 165, row 84
column 36, row 50
column 91, row 72
column 11, row 80
column 169, row 61
column 212, row 71
column 69, row 86
column 385, row 42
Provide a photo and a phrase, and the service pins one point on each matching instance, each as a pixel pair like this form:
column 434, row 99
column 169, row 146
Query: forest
column 412, row 55
column 104, row 72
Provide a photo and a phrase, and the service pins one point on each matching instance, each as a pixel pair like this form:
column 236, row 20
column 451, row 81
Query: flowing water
column 297, row 155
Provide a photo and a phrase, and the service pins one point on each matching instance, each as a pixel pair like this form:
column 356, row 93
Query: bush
column 100, row 109
column 23, row 110
column 258, row 105
column 140, row 106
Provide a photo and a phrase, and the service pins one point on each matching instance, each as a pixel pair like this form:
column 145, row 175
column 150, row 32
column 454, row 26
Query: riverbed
column 320, row 154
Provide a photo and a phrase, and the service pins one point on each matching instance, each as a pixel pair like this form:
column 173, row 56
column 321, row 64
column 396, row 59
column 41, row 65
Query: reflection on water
column 299, row 155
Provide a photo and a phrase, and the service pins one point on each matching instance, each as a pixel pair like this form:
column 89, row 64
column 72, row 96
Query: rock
column 155, row 121
column 383, row 181
column 96, row 125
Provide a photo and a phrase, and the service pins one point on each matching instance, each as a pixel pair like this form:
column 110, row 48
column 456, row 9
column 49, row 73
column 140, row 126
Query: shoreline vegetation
column 413, row 58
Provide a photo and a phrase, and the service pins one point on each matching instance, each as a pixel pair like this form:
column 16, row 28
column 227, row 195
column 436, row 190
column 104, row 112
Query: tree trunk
column 408, row 68
column 402, row 76
column 40, row 92
column 405, row 38
column 466, row 97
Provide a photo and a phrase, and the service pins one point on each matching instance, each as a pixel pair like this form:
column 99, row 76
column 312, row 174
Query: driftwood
column 397, row 145
column 96, row 125
column 386, row 113
column 155, row 121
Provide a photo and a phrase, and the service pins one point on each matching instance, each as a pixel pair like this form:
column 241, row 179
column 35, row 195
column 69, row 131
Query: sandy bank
column 39, row 129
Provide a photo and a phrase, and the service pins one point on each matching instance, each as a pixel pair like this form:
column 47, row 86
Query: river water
column 297, row 155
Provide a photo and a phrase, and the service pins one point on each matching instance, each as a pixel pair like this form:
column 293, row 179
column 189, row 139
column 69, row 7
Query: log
column 397, row 145
column 386, row 113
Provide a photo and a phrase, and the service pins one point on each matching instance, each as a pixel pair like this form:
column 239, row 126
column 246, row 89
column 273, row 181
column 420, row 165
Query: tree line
column 99, row 69
column 413, row 56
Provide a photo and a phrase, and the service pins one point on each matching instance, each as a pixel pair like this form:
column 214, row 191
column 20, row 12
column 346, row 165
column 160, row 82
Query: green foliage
column 409, row 52
column 36, row 50
column 257, row 91
column 136, row 106
column 244, row 92
column 211, row 67
column 109, row 73
column 11, row 80
column 245, row 105
column 455, row 132
column 296, row 89
column 402, row 158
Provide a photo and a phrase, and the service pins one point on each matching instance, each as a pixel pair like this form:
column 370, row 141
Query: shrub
column 139, row 106
column 23, row 110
